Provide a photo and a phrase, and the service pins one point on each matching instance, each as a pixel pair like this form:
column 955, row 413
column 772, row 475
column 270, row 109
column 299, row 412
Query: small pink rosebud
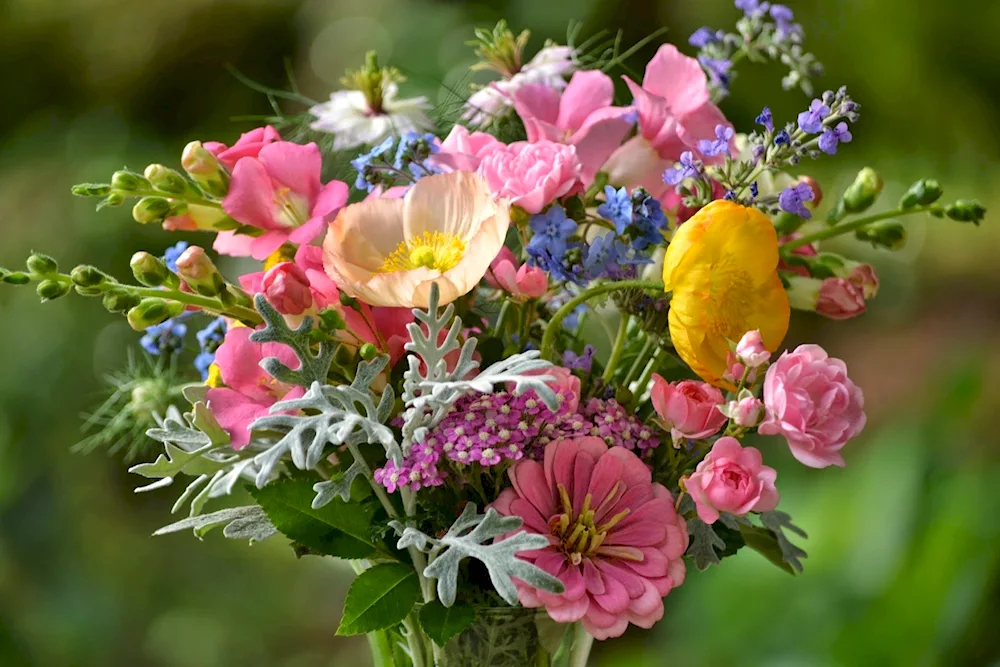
column 751, row 351
column 733, row 479
column 286, row 287
column 531, row 282
column 689, row 408
column 520, row 281
column 840, row 299
column 746, row 411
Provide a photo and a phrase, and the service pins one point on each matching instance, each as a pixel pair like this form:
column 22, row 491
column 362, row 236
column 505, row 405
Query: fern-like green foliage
column 472, row 536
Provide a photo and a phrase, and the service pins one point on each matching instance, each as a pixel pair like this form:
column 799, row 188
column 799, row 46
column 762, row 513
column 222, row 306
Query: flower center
column 433, row 250
column 731, row 298
column 578, row 535
column 292, row 208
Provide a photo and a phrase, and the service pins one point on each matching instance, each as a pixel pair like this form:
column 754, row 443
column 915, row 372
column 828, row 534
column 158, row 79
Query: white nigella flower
column 369, row 111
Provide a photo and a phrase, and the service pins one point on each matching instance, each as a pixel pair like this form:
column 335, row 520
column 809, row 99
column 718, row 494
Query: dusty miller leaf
column 248, row 522
column 471, row 536
column 339, row 486
column 313, row 367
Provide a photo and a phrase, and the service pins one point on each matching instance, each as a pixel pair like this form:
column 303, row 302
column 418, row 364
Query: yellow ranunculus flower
column 721, row 266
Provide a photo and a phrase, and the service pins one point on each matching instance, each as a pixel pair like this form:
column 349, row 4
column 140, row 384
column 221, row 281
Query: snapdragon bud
column 863, row 192
column 150, row 271
column 120, row 301
column 199, row 272
column 166, row 179
column 91, row 189
column 153, row 311
column 151, row 209
column 886, row 234
column 88, row 276
column 42, row 265
column 922, row 193
column 127, row 181
column 16, row 278
column 205, row 169
column 114, row 198
column 966, row 210
column 48, row 290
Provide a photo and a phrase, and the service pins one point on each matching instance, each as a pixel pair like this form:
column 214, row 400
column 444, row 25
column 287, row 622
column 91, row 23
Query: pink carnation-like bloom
column 732, row 478
column 615, row 541
column 690, row 408
column 519, row 280
column 531, row 175
column 811, row 401
column 249, row 392
column 279, row 191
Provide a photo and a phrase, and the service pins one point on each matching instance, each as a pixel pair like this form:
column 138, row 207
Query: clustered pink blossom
column 731, row 478
column 690, row 408
column 531, row 175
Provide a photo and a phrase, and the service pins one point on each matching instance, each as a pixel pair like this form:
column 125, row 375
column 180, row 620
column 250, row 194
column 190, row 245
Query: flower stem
column 640, row 361
column 654, row 363
column 850, row 226
column 552, row 330
column 617, row 347
column 582, row 643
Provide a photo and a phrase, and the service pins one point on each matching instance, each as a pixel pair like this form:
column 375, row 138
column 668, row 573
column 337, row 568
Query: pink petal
column 235, row 412
column 677, row 78
column 596, row 142
column 587, row 92
column 264, row 245
column 233, row 244
column 294, row 166
column 250, row 199
column 331, row 199
column 528, row 478
column 537, row 101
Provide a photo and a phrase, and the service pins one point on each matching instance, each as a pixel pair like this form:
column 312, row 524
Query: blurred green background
column 904, row 565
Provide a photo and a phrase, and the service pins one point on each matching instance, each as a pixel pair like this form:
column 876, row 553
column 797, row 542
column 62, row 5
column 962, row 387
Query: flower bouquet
column 513, row 371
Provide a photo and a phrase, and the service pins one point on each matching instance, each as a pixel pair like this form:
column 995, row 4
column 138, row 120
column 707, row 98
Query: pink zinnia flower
column 582, row 115
column 249, row 392
column 519, row 280
column 531, row 175
column 615, row 540
column 811, row 401
column 279, row 191
column 733, row 479
column 690, row 408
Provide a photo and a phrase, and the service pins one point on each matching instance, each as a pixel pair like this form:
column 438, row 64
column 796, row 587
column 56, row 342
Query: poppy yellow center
column 432, row 250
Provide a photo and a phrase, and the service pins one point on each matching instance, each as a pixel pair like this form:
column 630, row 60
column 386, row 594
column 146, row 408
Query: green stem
column 415, row 640
column 857, row 223
column 617, row 347
column 640, row 361
column 582, row 643
column 191, row 199
column 654, row 363
column 555, row 322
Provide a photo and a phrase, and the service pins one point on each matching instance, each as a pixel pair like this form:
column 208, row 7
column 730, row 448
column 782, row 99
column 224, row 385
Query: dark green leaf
column 379, row 598
column 442, row 623
column 765, row 543
column 336, row 529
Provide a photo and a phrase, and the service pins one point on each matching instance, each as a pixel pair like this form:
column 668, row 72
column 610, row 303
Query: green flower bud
column 348, row 301
column 89, row 291
column 48, row 290
column 966, row 210
column 113, row 199
column 166, row 179
column 886, row 234
column 205, row 169
column 152, row 311
column 863, row 192
column 331, row 320
column 922, row 193
column 16, row 278
column 826, row 265
column 344, row 357
column 42, row 265
column 151, row 209
column 120, row 301
column 149, row 270
column 91, row 189
column 368, row 351
column 88, row 276
column 127, row 181
column 787, row 223
column 199, row 272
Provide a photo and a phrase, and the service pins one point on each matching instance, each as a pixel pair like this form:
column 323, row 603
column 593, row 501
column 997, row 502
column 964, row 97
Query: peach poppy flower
column 446, row 230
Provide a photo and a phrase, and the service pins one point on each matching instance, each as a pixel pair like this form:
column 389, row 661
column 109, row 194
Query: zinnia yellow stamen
column 433, row 250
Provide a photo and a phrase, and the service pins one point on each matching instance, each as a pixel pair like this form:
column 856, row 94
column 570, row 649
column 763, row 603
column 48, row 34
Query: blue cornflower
column 811, row 121
column 782, row 138
column 581, row 362
column 617, row 208
column 702, row 37
column 164, row 338
column 793, row 198
column 687, row 167
column 718, row 70
column 834, row 135
column 363, row 164
column 171, row 255
column 723, row 135
column 766, row 119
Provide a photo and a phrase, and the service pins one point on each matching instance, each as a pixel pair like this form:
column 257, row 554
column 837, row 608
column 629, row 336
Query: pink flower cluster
column 732, row 478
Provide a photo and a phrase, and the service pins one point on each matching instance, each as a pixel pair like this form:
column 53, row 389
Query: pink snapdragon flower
column 531, row 175
column 675, row 112
column 690, row 408
column 519, row 280
column 248, row 145
column 840, row 299
column 279, row 191
column 732, row 478
column 287, row 288
column 811, row 401
column 615, row 541
column 582, row 115
column 249, row 392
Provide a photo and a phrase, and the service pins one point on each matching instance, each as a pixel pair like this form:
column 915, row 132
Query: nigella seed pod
column 42, row 265
column 48, row 290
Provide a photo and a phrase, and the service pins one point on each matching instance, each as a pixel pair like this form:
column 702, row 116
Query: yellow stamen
column 433, row 250
column 214, row 377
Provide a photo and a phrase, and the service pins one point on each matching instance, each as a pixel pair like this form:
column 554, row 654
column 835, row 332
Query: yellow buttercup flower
column 721, row 266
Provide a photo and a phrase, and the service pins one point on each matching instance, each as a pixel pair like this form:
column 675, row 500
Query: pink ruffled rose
column 689, row 408
column 287, row 288
column 615, row 541
column 732, row 478
column 249, row 392
column 279, row 191
column 519, row 280
column 811, row 401
column 531, row 175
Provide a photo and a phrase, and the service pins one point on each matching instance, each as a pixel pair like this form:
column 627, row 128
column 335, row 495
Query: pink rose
column 286, row 287
column 745, row 411
column 811, row 401
column 751, row 351
column 733, row 479
column 521, row 282
column 531, row 175
column 689, row 408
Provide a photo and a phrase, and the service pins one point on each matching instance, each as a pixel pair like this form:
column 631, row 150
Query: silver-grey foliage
column 471, row 536
column 248, row 523
column 313, row 367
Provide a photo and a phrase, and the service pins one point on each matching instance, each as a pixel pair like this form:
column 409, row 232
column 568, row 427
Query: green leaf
column 442, row 623
column 765, row 543
column 379, row 598
column 336, row 529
